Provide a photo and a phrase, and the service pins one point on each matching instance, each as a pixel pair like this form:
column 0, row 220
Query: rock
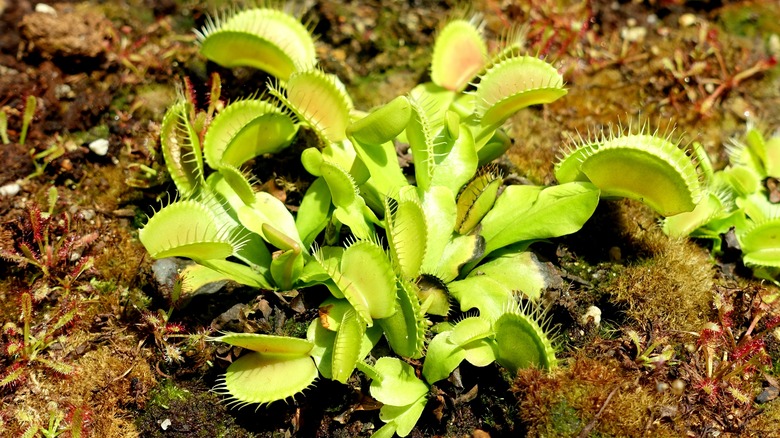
column 45, row 9
column 99, row 146
column 10, row 189
column 768, row 394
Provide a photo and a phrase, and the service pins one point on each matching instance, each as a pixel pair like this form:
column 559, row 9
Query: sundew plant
column 402, row 254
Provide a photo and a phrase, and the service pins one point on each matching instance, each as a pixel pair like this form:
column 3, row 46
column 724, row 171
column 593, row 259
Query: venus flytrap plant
column 453, row 233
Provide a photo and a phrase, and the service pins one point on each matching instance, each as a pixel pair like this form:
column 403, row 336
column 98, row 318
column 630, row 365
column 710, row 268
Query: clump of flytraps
column 457, row 237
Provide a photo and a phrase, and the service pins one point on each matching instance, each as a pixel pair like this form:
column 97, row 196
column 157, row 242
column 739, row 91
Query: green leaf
column 772, row 159
column 644, row 167
column 517, row 271
column 405, row 329
column 286, row 266
column 760, row 243
column 470, row 329
column 444, row 355
column 459, row 251
column 476, row 199
column 331, row 312
column 459, row 162
column 406, row 234
column 267, row 344
column 267, row 210
column 484, row 293
column 382, row 124
column 322, row 352
column 324, row 340
column 239, row 273
column 238, row 183
column 420, row 133
column 314, row 212
column 440, row 212
column 320, row 100
column 527, row 213
column 264, row 378
column 433, row 295
column 522, row 343
column 683, row 224
column 404, row 418
column 398, row 385
column 385, row 176
column 368, row 280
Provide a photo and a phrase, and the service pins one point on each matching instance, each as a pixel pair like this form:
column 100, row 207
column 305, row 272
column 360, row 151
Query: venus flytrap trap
column 264, row 38
column 457, row 238
column 741, row 196
column 638, row 165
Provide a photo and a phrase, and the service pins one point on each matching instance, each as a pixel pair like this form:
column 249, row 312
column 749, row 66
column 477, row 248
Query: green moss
column 166, row 393
column 750, row 19
column 565, row 419
column 295, row 328
column 175, row 411
column 673, row 287
column 767, row 422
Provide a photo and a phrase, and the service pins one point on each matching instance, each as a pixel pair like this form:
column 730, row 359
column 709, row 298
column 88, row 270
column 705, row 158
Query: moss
column 109, row 380
column 166, row 393
column 749, row 19
column 537, row 141
column 591, row 393
column 766, row 423
column 176, row 411
column 663, row 280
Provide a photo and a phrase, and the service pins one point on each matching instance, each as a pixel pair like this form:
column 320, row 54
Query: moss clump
column 667, row 281
column 672, row 287
column 193, row 412
column 765, row 424
column 597, row 395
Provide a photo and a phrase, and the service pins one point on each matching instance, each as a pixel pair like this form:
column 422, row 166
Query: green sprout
column 29, row 111
column 4, row 127
column 455, row 232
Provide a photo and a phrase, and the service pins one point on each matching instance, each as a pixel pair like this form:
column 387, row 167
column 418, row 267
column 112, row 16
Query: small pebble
column 87, row 214
column 99, row 146
column 45, row 9
column 768, row 394
column 10, row 189
column 165, row 424
column 687, row 20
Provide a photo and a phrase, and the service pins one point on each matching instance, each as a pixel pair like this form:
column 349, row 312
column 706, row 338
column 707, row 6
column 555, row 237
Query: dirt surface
column 109, row 362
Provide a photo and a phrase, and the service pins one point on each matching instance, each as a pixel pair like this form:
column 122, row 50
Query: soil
column 116, row 356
